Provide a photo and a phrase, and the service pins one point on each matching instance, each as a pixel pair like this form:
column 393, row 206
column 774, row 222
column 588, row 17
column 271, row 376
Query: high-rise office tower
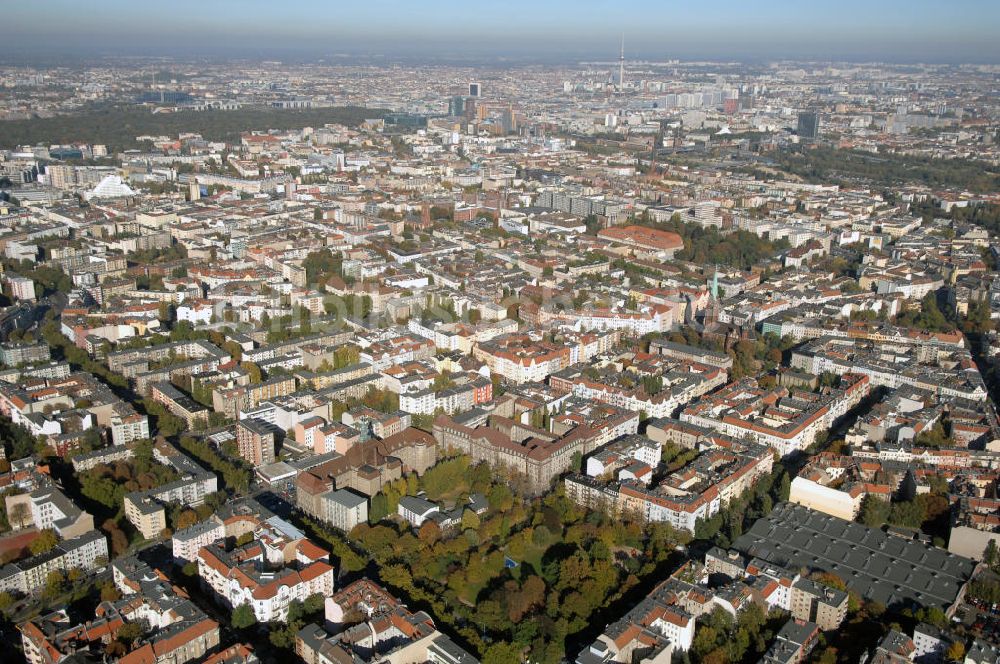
column 808, row 125
column 474, row 90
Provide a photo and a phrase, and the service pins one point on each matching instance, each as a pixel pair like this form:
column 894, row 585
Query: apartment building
column 823, row 605
column 167, row 628
column 145, row 509
column 365, row 469
column 786, row 421
column 267, row 573
column 145, row 514
column 255, row 441
column 653, row 630
column 367, row 625
column 521, row 358
column 49, row 508
column 179, row 404
column 87, row 552
column 697, row 491
column 187, row 542
column 793, row 643
column 129, row 428
column 14, row 354
column 539, row 455
column 233, row 400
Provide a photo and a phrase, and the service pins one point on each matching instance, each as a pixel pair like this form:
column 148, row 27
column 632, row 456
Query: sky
column 888, row 30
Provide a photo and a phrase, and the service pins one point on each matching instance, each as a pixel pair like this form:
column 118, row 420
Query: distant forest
column 117, row 128
column 829, row 166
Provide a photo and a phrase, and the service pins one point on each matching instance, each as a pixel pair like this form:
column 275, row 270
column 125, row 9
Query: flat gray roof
column 880, row 567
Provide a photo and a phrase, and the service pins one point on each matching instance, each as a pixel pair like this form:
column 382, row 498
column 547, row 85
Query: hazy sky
column 904, row 30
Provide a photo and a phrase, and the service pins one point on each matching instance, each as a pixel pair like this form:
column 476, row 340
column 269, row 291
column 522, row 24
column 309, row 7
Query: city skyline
column 528, row 333
column 549, row 31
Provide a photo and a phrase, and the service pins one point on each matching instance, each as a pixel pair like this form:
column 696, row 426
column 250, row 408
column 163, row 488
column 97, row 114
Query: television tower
column 621, row 67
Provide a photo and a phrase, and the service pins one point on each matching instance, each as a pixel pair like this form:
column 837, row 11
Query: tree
column 20, row 514
column 470, row 520
column 398, row 576
column 990, row 556
column 827, row 656
column 109, row 593
column 502, row 653
column 987, row 591
column 933, row 615
column 830, row 580
column 874, row 511
column 321, row 265
column 937, row 436
column 55, row 584
column 704, row 641
column 955, row 652
column 129, row 633
column 253, row 371
column 978, row 318
column 234, row 349
column 429, row 532
column 45, row 542
column 909, row 513
column 530, row 595
column 169, row 425
column 379, row 508
column 186, row 519
column 784, row 487
column 119, row 540
column 313, row 604
column 243, row 617
column 928, row 318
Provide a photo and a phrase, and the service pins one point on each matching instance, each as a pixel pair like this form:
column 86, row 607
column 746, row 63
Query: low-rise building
column 345, row 509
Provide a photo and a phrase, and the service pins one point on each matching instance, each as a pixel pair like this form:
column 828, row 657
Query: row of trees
column 63, row 348
column 235, row 477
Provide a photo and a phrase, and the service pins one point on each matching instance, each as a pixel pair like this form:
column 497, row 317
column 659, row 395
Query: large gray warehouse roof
column 880, row 567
